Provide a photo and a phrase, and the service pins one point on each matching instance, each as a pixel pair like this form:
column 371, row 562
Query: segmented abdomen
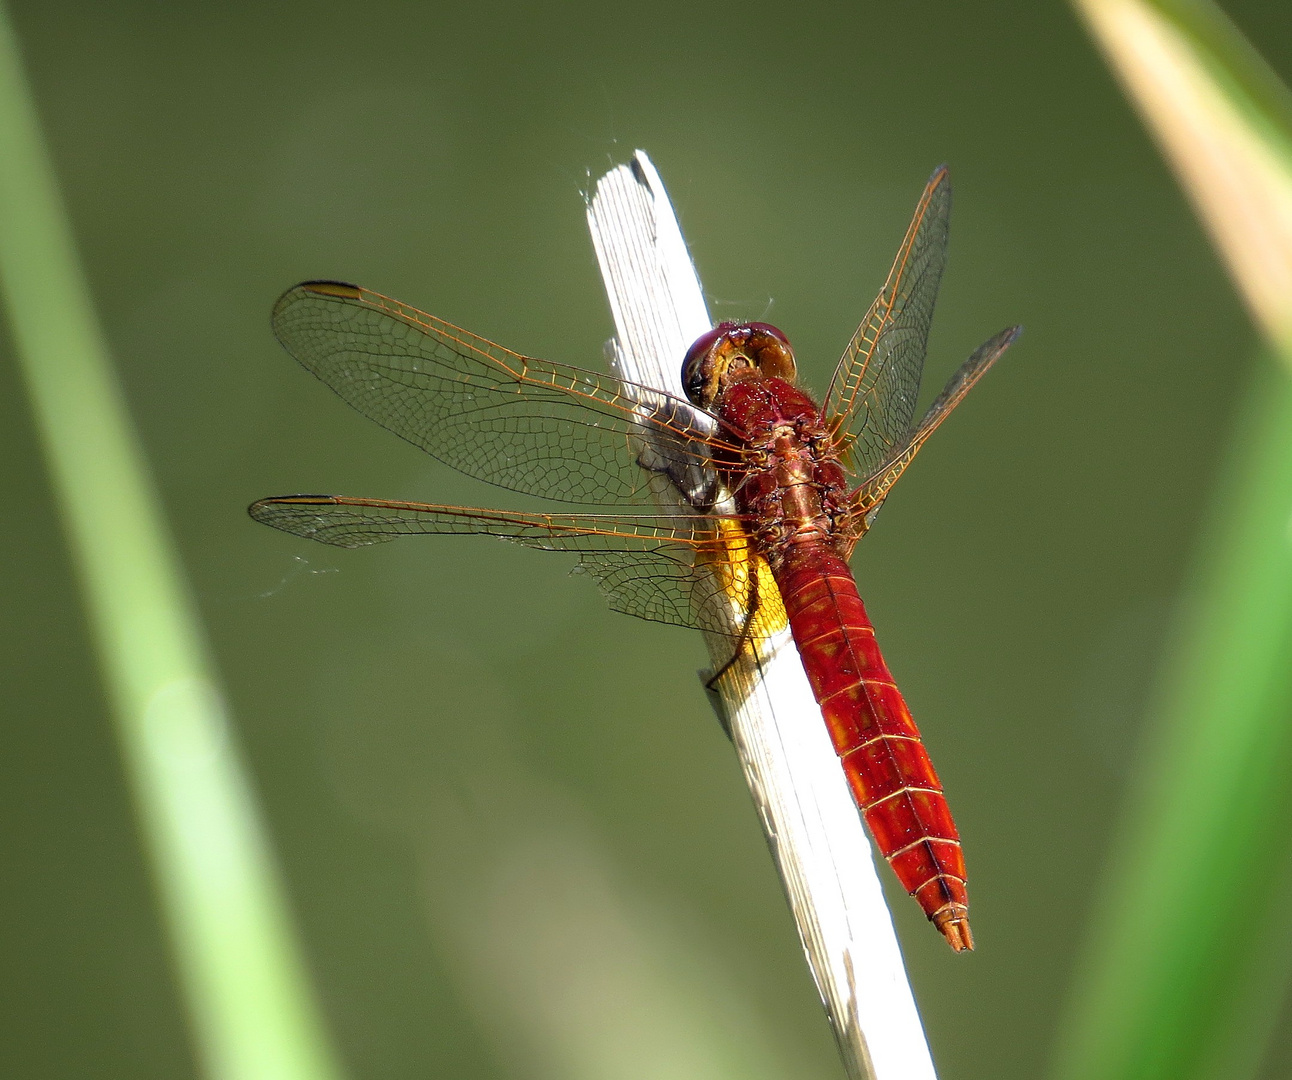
column 874, row 735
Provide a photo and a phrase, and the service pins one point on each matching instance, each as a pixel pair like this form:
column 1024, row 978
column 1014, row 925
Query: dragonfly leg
column 711, row 683
column 718, row 705
column 746, row 636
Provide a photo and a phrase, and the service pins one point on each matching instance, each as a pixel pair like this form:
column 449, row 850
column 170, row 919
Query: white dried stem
column 812, row 826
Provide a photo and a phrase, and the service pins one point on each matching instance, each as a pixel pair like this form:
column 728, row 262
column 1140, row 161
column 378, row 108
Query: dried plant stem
column 811, row 823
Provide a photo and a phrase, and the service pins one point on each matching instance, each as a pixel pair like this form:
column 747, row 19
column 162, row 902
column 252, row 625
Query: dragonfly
column 733, row 508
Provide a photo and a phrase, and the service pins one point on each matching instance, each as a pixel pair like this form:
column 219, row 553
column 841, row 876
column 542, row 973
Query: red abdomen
column 874, row 735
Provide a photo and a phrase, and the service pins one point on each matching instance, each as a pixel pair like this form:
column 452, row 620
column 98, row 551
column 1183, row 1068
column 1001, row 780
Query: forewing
column 545, row 429
column 872, row 396
column 684, row 569
column 875, row 487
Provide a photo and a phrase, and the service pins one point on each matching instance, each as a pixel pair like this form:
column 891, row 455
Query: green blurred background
column 516, row 840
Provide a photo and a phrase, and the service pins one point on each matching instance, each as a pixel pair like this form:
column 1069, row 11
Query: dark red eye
column 768, row 328
column 702, row 345
column 695, row 370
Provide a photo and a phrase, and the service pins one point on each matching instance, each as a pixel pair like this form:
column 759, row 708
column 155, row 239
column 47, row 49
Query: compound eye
column 697, row 368
column 771, row 351
column 768, row 328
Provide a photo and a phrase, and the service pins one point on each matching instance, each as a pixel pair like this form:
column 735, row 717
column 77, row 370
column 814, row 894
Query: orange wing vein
column 528, row 425
column 872, row 395
column 685, row 569
column 872, row 491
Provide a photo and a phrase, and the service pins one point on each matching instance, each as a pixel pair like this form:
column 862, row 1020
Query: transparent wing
column 873, row 490
column 527, row 425
column 685, row 569
column 872, row 396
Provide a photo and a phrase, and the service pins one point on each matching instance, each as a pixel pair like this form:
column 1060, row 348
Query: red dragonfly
column 701, row 501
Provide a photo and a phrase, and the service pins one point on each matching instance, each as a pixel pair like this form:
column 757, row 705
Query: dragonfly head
column 734, row 350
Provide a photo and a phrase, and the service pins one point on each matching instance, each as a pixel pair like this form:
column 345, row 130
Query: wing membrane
column 872, row 396
column 875, row 487
column 545, row 429
column 684, row 569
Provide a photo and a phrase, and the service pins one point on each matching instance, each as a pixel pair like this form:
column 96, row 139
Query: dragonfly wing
column 684, row 569
column 873, row 490
column 872, row 396
column 546, row 429
column 666, row 585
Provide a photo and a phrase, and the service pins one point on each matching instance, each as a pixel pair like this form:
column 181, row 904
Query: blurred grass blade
column 1189, row 961
column 1196, row 906
column 251, row 1009
column 1224, row 121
